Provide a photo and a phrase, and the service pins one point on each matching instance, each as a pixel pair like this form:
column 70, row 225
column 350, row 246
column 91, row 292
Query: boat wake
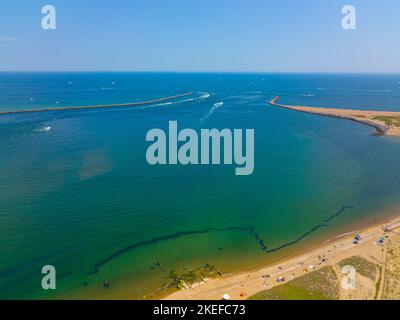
column 213, row 108
column 44, row 128
column 204, row 95
column 157, row 105
column 201, row 97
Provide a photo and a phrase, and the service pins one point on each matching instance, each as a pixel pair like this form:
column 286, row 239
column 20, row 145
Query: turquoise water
column 82, row 197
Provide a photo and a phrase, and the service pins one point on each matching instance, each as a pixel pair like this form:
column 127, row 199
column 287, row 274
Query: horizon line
column 201, row 72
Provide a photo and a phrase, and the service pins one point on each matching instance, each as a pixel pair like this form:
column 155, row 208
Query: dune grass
column 363, row 267
column 317, row 285
column 389, row 120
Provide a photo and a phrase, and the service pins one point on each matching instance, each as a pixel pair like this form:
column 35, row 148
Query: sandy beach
column 385, row 122
column 384, row 256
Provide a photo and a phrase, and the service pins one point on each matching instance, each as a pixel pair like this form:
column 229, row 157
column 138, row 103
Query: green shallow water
column 82, row 197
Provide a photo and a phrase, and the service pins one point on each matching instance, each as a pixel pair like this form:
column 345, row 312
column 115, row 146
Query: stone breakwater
column 120, row 105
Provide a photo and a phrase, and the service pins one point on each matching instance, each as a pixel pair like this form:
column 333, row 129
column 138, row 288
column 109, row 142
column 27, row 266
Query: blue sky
column 206, row 35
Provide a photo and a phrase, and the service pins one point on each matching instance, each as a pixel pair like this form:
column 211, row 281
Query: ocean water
column 77, row 193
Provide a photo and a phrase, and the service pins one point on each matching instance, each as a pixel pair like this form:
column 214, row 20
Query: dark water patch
column 313, row 229
column 250, row 229
column 259, row 240
column 341, row 211
column 287, row 244
column 173, row 236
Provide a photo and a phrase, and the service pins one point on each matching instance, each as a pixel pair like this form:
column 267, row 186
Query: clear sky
column 201, row 35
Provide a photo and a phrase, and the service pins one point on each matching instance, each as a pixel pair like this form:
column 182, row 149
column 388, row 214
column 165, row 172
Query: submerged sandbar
column 385, row 122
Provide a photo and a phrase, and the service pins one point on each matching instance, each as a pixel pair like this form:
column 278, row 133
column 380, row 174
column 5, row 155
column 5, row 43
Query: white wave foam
column 43, row 128
column 186, row 100
column 156, row 105
column 162, row 104
column 204, row 95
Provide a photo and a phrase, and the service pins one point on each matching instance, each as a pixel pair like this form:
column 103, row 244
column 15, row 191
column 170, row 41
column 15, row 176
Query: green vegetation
column 189, row 277
column 318, row 285
column 362, row 266
column 391, row 285
column 378, row 283
column 389, row 120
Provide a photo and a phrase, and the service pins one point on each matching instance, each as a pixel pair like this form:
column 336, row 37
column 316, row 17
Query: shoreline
column 129, row 104
column 384, row 122
column 153, row 291
column 241, row 285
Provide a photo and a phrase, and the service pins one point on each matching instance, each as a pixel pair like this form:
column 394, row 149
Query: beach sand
column 383, row 285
